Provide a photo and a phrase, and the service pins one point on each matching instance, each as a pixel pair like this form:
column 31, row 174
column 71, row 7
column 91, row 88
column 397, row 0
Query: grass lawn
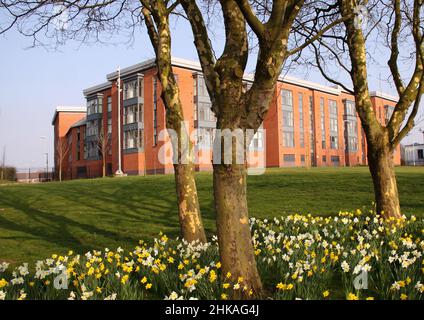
column 80, row 215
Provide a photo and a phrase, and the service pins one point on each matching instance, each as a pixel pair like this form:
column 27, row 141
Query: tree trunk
column 104, row 168
column 188, row 204
column 380, row 162
column 60, row 173
column 234, row 235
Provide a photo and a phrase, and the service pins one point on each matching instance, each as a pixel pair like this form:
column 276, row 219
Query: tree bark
column 188, row 204
column 380, row 163
column 234, row 234
column 157, row 22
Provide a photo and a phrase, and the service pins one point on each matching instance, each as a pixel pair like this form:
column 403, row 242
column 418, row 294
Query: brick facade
column 293, row 126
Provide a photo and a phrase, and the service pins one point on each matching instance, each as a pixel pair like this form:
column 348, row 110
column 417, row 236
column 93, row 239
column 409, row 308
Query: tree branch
column 317, row 35
column 203, row 46
column 252, row 20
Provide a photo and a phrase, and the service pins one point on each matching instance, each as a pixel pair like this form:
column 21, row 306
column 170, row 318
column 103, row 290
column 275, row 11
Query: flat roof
column 416, row 144
column 195, row 66
column 79, row 123
column 70, row 109
column 97, row 88
column 384, row 95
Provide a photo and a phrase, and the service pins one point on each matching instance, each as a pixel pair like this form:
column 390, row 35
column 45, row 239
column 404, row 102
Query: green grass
column 80, row 215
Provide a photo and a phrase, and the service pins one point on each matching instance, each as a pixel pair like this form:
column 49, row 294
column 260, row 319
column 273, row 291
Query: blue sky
column 34, row 81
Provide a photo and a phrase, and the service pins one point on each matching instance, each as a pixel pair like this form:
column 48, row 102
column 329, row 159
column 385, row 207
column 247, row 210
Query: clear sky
column 34, row 81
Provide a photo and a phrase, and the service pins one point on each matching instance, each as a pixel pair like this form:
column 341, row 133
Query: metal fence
column 34, row 175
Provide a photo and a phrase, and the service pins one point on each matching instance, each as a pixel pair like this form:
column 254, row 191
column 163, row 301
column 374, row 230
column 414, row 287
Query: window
column 287, row 99
column 323, row 133
column 324, row 158
column 132, row 89
column 352, row 144
column 205, row 138
column 334, row 142
column 302, row 139
column 350, row 108
column 257, row 142
column 205, row 113
column 421, row 154
column 93, row 128
column 288, row 139
column 155, row 111
column 302, row 158
column 335, row 159
column 301, row 121
column 289, row 158
column 131, row 114
column 92, row 150
column 201, row 87
column 109, row 104
column 312, row 127
column 288, row 118
column 351, row 128
column 333, row 125
column 109, row 126
column 131, row 139
column 94, row 105
column 333, row 107
column 288, row 121
column 301, row 124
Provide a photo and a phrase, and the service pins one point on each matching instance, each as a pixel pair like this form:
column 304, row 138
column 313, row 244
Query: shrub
column 8, row 173
column 298, row 256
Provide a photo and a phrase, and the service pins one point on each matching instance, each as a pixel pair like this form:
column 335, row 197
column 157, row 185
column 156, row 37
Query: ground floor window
column 289, row 158
column 288, row 139
column 334, row 142
column 335, row 160
column 134, row 139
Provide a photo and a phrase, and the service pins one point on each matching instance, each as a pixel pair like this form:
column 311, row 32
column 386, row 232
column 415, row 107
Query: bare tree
column 99, row 21
column 104, row 146
column 238, row 109
column 156, row 17
column 400, row 26
column 62, row 149
column 3, row 163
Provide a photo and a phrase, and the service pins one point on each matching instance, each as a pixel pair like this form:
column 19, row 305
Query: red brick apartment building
column 308, row 124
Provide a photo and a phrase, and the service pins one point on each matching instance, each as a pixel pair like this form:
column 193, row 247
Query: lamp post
column 47, row 166
column 118, row 83
column 47, row 157
column 346, row 136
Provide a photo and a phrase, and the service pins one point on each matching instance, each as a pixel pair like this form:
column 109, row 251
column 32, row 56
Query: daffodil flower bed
column 298, row 256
